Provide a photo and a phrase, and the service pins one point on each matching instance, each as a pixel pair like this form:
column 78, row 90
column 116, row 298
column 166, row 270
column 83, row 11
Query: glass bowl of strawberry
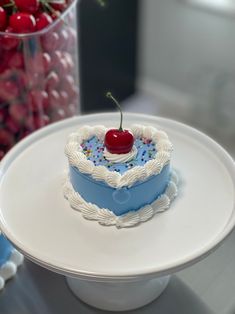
column 38, row 66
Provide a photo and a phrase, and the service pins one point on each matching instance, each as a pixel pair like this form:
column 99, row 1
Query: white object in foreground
column 9, row 269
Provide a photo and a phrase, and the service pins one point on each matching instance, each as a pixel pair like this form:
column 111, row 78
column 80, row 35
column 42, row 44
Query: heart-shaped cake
column 121, row 189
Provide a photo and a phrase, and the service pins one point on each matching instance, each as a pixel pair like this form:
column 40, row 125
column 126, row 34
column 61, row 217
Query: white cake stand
column 109, row 268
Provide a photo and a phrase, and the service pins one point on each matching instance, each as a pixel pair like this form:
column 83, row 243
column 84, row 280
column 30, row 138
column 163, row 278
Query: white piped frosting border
column 106, row 217
column 76, row 157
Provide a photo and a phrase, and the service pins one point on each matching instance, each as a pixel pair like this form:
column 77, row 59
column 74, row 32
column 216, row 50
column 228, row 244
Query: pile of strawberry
column 38, row 66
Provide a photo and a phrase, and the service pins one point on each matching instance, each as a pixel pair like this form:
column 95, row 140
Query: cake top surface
column 151, row 152
column 94, row 149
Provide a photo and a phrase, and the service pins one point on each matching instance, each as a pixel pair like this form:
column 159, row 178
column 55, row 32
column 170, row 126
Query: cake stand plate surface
column 37, row 219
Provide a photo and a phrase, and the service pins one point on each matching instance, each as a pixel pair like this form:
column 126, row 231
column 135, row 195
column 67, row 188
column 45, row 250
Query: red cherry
column 22, row 22
column 18, row 112
column 6, row 75
column 36, row 80
column 9, row 90
column 71, row 110
column 74, row 94
column 119, row 141
column 64, row 98
column 9, row 42
column 18, row 77
column 29, row 123
column 2, row 154
column 50, row 41
column 39, row 63
column 35, row 64
column 54, row 99
column 15, row 60
column 30, row 6
column 4, row 2
column 47, row 62
column 38, row 100
column 13, row 125
column 3, row 19
column 41, row 120
column 62, row 68
column 21, row 79
column 43, row 20
column 36, row 121
column 59, row 6
column 68, row 58
column 2, row 66
column 6, row 138
column 46, row 119
column 64, row 39
column 56, row 56
column 68, row 84
column 3, row 113
column 58, row 114
column 52, row 81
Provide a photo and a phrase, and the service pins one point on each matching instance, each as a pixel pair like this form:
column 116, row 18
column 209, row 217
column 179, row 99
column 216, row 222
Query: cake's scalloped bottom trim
column 9, row 269
column 106, row 217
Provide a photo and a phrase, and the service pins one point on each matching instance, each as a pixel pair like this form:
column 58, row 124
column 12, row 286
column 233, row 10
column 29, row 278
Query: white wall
column 179, row 42
column 187, row 60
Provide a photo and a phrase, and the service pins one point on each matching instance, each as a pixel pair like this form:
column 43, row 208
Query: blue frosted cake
column 10, row 259
column 5, row 250
column 114, row 187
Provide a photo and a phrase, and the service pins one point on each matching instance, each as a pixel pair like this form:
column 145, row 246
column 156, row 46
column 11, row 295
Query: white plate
column 39, row 221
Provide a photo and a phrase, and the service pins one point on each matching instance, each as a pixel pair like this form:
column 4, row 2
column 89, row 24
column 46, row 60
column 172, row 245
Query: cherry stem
column 109, row 95
column 51, row 10
column 8, row 5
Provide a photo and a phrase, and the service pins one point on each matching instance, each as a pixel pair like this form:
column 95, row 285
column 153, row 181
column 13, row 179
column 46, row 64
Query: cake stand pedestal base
column 118, row 296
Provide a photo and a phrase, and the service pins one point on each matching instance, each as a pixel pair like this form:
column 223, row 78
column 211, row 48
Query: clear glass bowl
column 38, row 78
